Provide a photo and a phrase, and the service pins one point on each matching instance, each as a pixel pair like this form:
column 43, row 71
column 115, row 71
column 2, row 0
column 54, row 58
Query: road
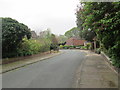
column 56, row 72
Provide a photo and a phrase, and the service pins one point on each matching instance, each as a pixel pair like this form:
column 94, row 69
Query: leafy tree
column 54, row 39
column 45, row 34
column 12, row 34
column 85, row 32
column 103, row 18
column 72, row 32
column 87, row 35
column 61, row 38
column 54, row 42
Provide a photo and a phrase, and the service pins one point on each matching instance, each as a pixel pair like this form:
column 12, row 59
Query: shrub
column 98, row 51
column 88, row 45
column 61, row 46
column 83, row 47
column 66, row 47
column 103, row 19
column 12, row 34
column 114, row 54
column 29, row 47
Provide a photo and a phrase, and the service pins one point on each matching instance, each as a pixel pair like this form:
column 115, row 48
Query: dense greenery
column 12, row 34
column 72, row 32
column 28, row 47
column 84, row 31
column 61, row 39
column 17, row 41
column 32, row 46
column 80, row 33
column 49, row 40
column 103, row 19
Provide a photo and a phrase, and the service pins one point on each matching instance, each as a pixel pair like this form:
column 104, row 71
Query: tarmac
column 21, row 63
column 95, row 72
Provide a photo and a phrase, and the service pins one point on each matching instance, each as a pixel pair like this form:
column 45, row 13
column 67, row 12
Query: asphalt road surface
column 56, row 72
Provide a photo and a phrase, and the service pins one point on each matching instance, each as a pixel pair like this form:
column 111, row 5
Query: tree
column 54, row 44
column 45, row 34
column 72, row 32
column 85, row 32
column 103, row 18
column 61, row 39
column 54, row 39
column 12, row 34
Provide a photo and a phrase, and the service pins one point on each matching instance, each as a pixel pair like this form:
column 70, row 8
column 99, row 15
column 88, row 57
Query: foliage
column 54, row 43
column 98, row 51
column 49, row 40
column 61, row 39
column 29, row 47
column 12, row 34
column 61, row 46
column 83, row 47
column 45, row 34
column 85, row 32
column 88, row 45
column 45, row 44
column 16, row 40
column 103, row 18
column 54, row 39
column 72, row 32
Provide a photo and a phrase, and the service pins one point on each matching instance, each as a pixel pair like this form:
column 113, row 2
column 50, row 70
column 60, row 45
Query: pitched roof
column 75, row 41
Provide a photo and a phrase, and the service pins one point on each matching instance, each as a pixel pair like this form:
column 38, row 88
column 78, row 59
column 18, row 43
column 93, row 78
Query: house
column 33, row 34
column 73, row 41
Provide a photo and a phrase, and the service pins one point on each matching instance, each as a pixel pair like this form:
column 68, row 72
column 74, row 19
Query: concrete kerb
column 31, row 62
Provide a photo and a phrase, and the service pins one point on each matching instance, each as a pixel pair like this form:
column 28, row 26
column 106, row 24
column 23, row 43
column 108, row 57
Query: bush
column 29, row 47
column 12, row 34
column 98, row 51
column 104, row 21
column 88, row 45
column 114, row 54
column 61, row 46
column 83, row 47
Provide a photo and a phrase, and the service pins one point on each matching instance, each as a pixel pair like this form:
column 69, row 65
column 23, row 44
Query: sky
column 57, row 15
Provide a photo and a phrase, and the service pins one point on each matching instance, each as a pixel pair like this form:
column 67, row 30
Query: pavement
column 68, row 69
column 95, row 72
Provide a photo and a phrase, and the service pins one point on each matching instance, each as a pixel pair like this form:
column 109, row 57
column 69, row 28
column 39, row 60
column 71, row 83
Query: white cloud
column 59, row 15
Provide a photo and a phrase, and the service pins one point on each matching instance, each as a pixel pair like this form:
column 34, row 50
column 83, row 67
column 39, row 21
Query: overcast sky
column 38, row 15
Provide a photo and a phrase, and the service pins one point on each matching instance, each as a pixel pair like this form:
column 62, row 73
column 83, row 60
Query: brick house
column 73, row 41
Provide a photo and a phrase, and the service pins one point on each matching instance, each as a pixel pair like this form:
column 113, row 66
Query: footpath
column 26, row 61
column 95, row 72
